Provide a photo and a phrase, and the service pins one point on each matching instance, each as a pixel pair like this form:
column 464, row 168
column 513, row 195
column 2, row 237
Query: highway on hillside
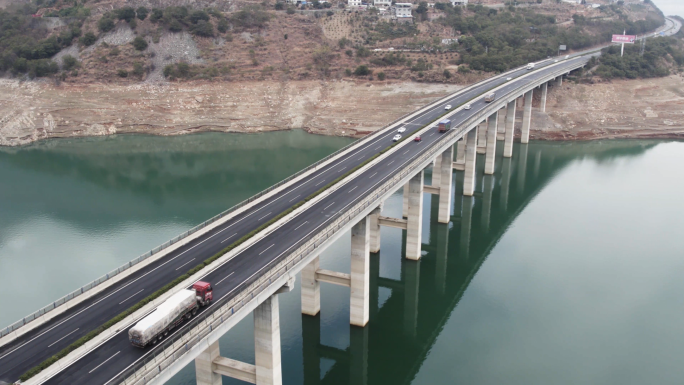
column 117, row 354
column 38, row 345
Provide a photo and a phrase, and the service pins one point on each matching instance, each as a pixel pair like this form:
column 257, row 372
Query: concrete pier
column 404, row 210
column 491, row 143
column 505, row 182
column 204, row 372
column 445, row 173
column 545, row 92
column 414, row 225
column 482, row 138
column 527, row 118
column 460, row 151
column 560, row 81
column 267, row 343
column 360, row 273
column 442, row 257
column 436, row 173
column 375, row 230
column 510, row 130
column 471, row 158
column 311, row 289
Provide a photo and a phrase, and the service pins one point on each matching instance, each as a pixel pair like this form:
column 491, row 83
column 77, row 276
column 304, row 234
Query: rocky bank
column 30, row 111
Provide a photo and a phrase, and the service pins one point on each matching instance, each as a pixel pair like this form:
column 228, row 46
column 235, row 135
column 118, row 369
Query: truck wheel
column 166, row 333
column 194, row 312
column 188, row 316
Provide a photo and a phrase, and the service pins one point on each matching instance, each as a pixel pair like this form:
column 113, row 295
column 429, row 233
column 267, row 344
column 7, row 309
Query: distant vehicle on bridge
column 530, row 66
column 490, row 97
column 396, row 138
column 447, row 107
column 180, row 306
column 444, row 125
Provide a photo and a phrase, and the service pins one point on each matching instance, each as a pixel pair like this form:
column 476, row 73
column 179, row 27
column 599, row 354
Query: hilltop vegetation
column 87, row 40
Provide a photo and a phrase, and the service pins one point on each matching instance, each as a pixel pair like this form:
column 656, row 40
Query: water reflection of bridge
column 401, row 332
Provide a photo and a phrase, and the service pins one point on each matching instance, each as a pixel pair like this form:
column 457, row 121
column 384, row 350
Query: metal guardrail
column 198, row 328
column 5, row 331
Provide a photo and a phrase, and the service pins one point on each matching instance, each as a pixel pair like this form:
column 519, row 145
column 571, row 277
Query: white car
column 447, row 107
column 567, row 56
column 467, row 106
column 509, row 78
column 401, row 129
column 396, row 138
column 555, row 61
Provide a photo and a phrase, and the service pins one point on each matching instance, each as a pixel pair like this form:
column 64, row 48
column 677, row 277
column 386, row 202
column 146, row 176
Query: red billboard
column 625, row 39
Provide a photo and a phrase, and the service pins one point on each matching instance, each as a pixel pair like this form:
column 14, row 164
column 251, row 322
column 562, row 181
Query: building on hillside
column 382, row 3
column 459, row 2
column 354, row 3
column 402, row 11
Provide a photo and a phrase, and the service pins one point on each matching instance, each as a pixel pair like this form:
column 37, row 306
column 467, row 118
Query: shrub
column 175, row 26
column 362, row 70
column 381, row 76
column 202, row 28
column 447, row 74
column 290, row 11
column 250, row 17
column 138, row 69
column 142, row 13
column 222, row 25
column 122, row 73
column 279, row 6
column 348, row 72
column 157, row 14
column 105, row 24
column 125, row 13
column 197, row 16
column 139, row 43
column 88, row 39
column 69, row 62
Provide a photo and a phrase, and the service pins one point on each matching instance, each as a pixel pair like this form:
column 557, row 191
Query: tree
column 381, row 76
column 197, row 16
column 202, row 28
column 142, row 12
column 125, row 13
column 362, row 70
column 69, row 62
column 88, row 39
column 139, row 43
column 157, row 14
column 105, row 24
column 122, row 73
column 222, row 25
column 447, row 74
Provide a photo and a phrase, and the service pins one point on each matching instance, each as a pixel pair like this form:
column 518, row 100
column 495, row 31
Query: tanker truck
column 180, row 306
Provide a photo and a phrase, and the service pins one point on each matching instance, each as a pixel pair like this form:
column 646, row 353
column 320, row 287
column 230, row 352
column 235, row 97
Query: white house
column 354, row 3
column 459, row 2
column 382, row 3
column 402, row 10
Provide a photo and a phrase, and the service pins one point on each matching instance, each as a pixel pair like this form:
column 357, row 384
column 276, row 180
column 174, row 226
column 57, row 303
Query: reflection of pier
column 391, row 349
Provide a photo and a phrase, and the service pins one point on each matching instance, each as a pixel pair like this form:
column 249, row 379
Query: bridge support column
column 442, row 257
column 204, row 373
column 375, row 230
column 471, row 158
column 436, row 171
column 459, row 164
column 510, row 130
column 360, row 273
column 414, row 225
column 491, row 142
column 404, row 211
column 267, row 342
column 560, row 80
column 311, row 289
column 482, row 137
column 545, row 92
column 445, row 171
column 527, row 118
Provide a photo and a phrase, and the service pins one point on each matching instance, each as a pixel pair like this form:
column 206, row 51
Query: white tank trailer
column 182, row 305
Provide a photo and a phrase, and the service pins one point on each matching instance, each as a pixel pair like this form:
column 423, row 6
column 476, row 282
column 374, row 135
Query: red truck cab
column 204, row 292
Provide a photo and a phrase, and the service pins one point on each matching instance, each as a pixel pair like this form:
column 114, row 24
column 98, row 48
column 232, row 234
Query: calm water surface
column 564, row 268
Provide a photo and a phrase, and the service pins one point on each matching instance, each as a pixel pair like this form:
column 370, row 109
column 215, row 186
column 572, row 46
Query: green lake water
column 564, row 268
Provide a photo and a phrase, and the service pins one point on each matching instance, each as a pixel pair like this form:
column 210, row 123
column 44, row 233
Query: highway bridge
column 247, row 277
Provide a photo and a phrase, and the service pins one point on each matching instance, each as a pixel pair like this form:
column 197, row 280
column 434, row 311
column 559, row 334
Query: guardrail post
column 415, row 216
column 471, row 158
column 527, row 118
column 510, row 130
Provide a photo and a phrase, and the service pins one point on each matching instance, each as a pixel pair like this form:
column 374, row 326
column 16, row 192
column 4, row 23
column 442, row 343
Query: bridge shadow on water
column 404, row 326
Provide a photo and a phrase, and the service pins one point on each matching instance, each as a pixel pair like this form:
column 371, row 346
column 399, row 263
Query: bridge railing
column 198, row 328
